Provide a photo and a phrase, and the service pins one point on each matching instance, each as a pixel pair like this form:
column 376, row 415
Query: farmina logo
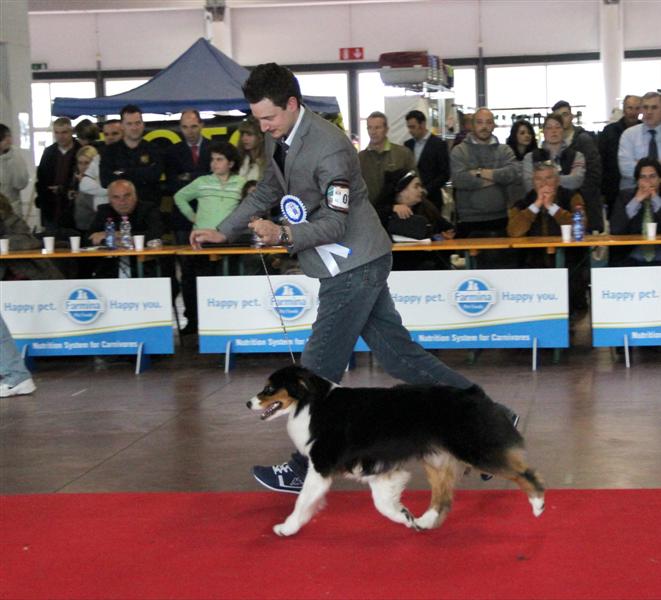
column 473, row 297
column 291, row 301
column 84, row 306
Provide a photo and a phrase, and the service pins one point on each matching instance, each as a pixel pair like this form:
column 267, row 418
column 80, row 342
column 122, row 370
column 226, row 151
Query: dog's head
column 288, row 390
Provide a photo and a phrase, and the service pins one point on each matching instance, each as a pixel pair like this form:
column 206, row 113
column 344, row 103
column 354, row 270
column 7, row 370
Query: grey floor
column 94, row 426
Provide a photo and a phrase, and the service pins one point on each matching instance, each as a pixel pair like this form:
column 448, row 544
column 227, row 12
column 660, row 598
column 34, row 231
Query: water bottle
column 125, row 238
column 110, row 233
column 578, row 224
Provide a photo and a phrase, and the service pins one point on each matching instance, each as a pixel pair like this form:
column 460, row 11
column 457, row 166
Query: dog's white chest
column 298, row 428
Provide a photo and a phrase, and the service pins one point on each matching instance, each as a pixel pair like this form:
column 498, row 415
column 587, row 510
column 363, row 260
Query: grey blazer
column 320, row 154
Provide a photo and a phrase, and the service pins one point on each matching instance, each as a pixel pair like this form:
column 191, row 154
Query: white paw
column 283, row 529
column 537, row 506
column 429, row 520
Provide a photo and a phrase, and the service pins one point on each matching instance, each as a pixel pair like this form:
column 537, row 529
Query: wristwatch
column 285, row 240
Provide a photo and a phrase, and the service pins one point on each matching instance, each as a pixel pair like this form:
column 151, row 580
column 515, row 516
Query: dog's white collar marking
column 298, row 428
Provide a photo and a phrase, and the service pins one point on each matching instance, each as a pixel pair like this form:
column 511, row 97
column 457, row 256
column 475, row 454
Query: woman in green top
column 217, row 194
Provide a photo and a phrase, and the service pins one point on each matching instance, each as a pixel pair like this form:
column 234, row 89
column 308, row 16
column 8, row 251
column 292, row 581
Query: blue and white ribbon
column 295, row 212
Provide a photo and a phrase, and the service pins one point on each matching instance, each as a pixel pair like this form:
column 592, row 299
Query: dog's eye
column 269, row 390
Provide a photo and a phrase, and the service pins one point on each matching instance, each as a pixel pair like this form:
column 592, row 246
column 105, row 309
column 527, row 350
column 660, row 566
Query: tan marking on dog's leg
column 309, row 500
column 442, row 478
column 387, row 492
column 526, row 478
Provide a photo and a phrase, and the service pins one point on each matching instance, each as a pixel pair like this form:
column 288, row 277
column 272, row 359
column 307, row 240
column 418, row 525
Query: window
column 640, row 76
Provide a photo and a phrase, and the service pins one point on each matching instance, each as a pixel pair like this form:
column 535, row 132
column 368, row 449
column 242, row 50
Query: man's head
column 651, row 105
column 112, row 131
column 86, row 132
column 553, row 129
column 416, row 122
column 63, row 132
column 631, row 109
column 483, row 125
column 545, row 175
column 5, row 138
column 274, row 96
column 377, row 128
column 122, row 196
column 190, row 124
column 648, row 170
column 132, row 123
column 562, row 108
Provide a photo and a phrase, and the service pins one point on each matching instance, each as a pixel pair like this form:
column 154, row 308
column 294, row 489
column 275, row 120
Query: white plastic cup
column 566, row 233
column 4, row 246
column 49, row 244
column 139, row 242
column 650, row 232
column 74, row 242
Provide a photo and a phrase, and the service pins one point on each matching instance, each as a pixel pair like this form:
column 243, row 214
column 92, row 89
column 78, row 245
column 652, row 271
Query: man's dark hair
column 4, row 131
column 129, row 109
column 228, row 151
column 274, row 82
column 560, row 104
column 646, row 162
column 86, row 130
column 418, row 115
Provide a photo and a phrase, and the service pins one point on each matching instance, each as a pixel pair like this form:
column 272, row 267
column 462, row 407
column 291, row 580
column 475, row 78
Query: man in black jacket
column 431, row 156
column 609, row 140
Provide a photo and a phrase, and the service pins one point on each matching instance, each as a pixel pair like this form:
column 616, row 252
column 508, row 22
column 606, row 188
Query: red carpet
column 602, row 544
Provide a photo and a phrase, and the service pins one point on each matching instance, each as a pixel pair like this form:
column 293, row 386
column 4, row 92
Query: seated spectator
column 251, row 150
column 570, row 163
column 634, row 209
column 404, row 210
column 16, row 230
column 541, row 213
column 14, row 174
column 217, row 195
column 145, row 220
column 521, row 140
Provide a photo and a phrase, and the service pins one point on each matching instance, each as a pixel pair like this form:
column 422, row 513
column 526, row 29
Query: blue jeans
column 356, row 303
column 12, row 367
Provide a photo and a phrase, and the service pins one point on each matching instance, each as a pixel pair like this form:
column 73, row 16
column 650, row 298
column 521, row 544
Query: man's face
column 122, row 198
column 112, row 133
column 133, row 126
column 553, row 132
column 417, row 130
column 649, row 179
column 631, row 109
column 63, row 135
column 567, row 116
column 483, row 125
column 652, row 111
column 377, row 130
column 276, row 121
column 191, row 127
column 545, row 179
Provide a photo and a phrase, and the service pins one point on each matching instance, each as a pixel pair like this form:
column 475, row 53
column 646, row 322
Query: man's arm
column 626, row 153
column 463, row 175
column 508, row 172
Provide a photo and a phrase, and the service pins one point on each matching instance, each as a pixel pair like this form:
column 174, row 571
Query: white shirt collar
column 290, row 137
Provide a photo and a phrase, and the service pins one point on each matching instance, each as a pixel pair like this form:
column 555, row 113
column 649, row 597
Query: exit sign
column 352, row 53
column 40, row 66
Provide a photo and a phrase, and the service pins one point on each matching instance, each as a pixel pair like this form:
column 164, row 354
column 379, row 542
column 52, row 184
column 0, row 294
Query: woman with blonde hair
column 251, row 150
column 86, row 191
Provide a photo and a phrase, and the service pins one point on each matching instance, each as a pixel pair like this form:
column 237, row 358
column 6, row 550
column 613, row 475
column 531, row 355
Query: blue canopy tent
column 202, row 77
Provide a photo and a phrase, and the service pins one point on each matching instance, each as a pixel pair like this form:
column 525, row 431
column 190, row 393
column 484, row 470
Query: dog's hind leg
column 519, row 471
column 442, row 472
column 314, row 489
column 387, row 492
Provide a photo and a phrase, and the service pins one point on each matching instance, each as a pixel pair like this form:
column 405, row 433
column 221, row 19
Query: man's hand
column 644, row 192
column 267, row 231
column 97, row 238
column 402, row 211
column 547, row 196
column 201, row 236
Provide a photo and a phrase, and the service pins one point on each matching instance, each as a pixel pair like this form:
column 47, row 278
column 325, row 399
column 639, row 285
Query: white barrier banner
column 441, row 309
column 85, row 316
column 626, row 302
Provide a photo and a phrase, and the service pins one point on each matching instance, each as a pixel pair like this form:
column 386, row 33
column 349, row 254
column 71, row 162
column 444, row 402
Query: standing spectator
column 13, row 171
column 580, row 140
column 466, row 127
column 133, row 158
column 54, row 174
column 608, row 141
column 381, row 156
column 84, row 203
column 640, row 141
column 16, row 379
column 635, row 208
column 431, row 156
column 482, row 170
column 112, row 131
column 87, row 133
column 217, row 196
column 251, row 150
column 521, row 140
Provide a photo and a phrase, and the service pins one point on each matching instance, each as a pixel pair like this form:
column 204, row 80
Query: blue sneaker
column 515, row 421
column 286, row 477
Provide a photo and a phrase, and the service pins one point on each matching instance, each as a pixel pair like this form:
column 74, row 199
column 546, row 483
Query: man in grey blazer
column 327, row 200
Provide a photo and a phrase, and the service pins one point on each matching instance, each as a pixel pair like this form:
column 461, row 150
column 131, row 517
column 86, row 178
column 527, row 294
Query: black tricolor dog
column 370, row 433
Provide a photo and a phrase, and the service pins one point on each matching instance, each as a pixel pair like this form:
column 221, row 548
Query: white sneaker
column 26, row 386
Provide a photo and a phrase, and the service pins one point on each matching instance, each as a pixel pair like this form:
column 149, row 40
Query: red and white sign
column 352, row 53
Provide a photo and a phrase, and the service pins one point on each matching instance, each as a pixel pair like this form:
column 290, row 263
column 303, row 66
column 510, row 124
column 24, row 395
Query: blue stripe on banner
column 553, row 333
column 614, row 336
column 157, row 340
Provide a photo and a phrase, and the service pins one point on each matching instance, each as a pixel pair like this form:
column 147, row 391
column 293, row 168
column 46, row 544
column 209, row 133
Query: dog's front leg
column 314, row 489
